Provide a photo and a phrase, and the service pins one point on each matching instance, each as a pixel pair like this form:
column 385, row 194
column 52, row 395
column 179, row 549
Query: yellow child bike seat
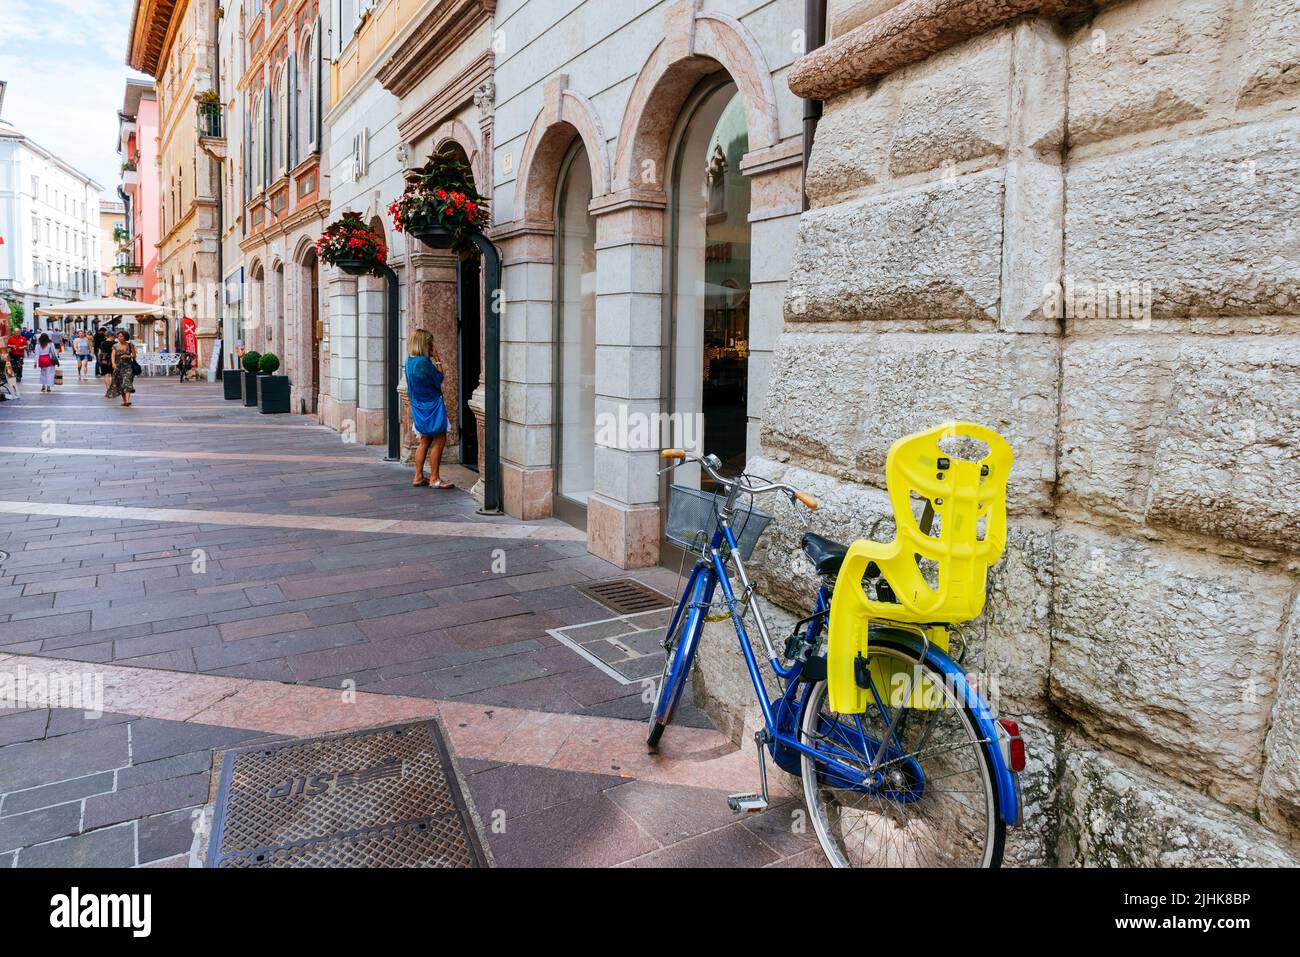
column 969, row 502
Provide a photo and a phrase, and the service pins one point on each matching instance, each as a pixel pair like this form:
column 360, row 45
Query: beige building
column 174, row 42
column 1080, row 232
column 112, row 233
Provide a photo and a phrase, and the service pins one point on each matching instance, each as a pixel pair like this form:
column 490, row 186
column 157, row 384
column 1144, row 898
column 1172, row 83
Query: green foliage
column 16, row 314
column 252, row 361
column 269, row 363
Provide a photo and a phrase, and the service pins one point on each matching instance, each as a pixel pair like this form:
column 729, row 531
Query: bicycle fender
column 1004, row 781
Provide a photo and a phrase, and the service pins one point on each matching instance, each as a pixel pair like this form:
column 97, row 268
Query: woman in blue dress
column 428, row 411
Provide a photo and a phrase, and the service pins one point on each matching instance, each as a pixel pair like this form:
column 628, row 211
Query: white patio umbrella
column 105, row 307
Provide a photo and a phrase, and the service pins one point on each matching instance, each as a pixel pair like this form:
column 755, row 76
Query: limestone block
column 1279, row 792
column 954, row 106
column 887, row 385
column 1116, row 814
column 1168, row 655
column 1228, row 463
column 1270, row 66
column 844, row 15
column 1143, row 65
column 1115, row 391
column 1198, row 433
column 851, row 148
column 931, row 252
column 1207, row 222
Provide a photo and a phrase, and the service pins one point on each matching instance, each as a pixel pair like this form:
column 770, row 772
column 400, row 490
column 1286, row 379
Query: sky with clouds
column 65, row 63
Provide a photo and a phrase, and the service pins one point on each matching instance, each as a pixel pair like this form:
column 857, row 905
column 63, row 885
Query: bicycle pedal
column 747, row 803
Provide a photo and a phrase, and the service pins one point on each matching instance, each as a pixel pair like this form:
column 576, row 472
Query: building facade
column 286, row 188
column 49, row 218
column 112, row 235
column 1035, row 223
column 175, row 43
column 407, row 78
column 232, row 60
column 648, row 161
column 137, row 266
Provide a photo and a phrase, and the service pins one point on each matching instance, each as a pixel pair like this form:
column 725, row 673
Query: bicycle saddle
column 827, row 556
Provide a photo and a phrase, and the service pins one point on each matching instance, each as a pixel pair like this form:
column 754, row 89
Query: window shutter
column 291, row 114
column 317, row 77
column 266, row 136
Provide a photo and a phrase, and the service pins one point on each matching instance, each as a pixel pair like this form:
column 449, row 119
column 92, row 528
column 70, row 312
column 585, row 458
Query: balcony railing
column 209, row 119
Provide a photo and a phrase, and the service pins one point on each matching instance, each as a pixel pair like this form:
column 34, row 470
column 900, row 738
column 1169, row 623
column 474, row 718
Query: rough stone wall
column 1080, row 232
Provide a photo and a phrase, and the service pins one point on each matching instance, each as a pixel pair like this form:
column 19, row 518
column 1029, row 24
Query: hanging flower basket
column 349, row 244
column 440, row 206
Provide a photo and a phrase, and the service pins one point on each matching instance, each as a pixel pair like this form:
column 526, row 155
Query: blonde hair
column 420, row 343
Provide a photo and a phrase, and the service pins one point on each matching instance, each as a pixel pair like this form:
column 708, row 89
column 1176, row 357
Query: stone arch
column 458, row 133
column 695, row 45
column 565, row 115
column 304, row 245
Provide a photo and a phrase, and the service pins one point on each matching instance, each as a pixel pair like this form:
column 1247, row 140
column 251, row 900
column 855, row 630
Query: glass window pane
column 576, row 300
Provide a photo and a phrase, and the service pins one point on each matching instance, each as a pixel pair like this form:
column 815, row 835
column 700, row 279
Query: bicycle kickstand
column 754, row 803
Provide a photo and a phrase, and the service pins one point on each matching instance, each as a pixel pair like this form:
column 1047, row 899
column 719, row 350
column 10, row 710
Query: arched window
column 304, row 97
column 257, row 148
column 711, row 281
column 575, row 280
column 281, row 123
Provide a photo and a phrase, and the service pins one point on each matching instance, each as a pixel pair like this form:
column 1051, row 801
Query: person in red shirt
column 17, row 347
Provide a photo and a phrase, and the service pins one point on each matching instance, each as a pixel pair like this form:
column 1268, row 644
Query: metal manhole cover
column 626, row 596
column 386, row 797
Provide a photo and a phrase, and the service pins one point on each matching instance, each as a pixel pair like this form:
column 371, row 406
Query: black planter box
column 273, row 394
column 249, row 380
column 230, row 382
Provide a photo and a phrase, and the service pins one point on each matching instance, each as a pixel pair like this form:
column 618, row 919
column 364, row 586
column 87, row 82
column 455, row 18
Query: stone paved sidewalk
column 193, row 537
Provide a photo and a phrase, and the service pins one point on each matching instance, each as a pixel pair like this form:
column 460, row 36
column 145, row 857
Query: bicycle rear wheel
column 934, row 804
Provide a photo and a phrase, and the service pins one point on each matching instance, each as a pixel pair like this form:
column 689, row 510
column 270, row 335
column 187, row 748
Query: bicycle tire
column 995, row 827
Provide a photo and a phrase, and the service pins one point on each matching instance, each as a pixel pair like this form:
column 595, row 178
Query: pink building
column 138, row 256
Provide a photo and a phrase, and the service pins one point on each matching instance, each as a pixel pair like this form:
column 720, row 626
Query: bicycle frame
column 781, row 716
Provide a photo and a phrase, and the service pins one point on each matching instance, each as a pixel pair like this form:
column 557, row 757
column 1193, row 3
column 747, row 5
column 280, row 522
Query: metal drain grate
column 386, row 797
column 626, row 596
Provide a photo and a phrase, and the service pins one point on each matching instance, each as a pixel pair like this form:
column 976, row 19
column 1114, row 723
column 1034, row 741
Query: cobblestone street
column 234, row 578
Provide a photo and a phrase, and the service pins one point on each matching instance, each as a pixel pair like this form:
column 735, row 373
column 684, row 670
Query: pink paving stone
column 300, row 710
column 478, row 730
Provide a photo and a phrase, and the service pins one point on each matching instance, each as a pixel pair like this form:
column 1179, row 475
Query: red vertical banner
column 190, row 332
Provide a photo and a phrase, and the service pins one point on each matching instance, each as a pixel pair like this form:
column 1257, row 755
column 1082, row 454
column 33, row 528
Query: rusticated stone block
column 1143, row 65
column 1115, row 814
column 1208, row 223
column 1198, row 433
column 851, row 149
column 1270, row 58
column 882, row 386
column 954, row 107
column 1168, row 655
column 1228, row 463
column 932, row 252
column 1279, row 792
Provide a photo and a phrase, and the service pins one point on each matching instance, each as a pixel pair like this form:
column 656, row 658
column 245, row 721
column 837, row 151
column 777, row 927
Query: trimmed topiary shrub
column 251, row 361
column 270, row 362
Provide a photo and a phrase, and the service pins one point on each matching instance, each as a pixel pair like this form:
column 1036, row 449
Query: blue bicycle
column 925, row 777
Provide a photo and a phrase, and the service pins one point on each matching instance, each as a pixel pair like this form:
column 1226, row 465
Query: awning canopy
column 105, row 307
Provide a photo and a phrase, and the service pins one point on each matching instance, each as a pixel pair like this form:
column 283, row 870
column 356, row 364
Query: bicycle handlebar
column 804, row 498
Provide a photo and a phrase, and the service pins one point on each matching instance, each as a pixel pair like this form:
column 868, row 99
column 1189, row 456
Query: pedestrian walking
column 10, row 387
column 122, row 380
column 47, row 360
column 17, row 343
column 81, row 349
column 424, row 377
column 104, row 359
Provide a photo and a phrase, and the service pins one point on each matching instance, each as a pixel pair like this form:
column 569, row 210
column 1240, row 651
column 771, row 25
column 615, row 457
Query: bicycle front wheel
column 931, row 801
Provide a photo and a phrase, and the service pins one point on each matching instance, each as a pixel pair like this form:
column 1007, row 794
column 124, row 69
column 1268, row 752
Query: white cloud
column 64, row 61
